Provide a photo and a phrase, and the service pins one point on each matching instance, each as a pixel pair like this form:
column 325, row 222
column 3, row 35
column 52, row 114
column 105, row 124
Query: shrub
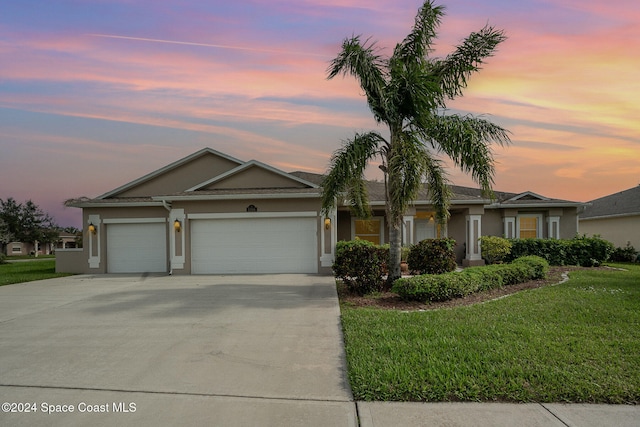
column 539, row 265
column 442, row 287
column 581, row 250
column 3, row 258
column 432, row 256
column 626, row 254
column 494, row 249
column 361, row 265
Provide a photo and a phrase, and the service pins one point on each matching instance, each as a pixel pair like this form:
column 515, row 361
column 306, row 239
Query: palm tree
column 407, row 92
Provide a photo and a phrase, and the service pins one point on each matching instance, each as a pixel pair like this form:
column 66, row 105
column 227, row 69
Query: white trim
column 473, row 231
column 240, row 196
column 609, row 216
column 94, row 259
column 231, row 215
column 132, row 220
column 553, row 227
column 177, row 261
column 248, row 165
column 509, row 227
column 529, row 193
column 116, row 204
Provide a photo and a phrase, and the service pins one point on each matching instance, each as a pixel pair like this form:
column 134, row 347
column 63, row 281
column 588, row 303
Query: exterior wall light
column 177, row 225
column 327, row 223
column 92, row 228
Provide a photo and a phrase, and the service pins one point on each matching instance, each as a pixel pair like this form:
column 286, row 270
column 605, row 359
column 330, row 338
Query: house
column 65, row 240
column 615, row 218
column 210, row 213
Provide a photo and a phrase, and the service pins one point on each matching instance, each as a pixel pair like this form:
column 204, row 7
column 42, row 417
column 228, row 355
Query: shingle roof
column 625, row 202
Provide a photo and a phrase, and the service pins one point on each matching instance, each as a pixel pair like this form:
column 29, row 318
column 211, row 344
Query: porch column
column 509, row 227
column 473, row 254
column 407, row 230
column 553, row 223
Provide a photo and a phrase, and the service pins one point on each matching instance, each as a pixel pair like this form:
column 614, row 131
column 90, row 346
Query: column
column 177, row 239
column 553, row 223
column 328, row 238
column 94, row 241
column 509, row 227
column 473, row 255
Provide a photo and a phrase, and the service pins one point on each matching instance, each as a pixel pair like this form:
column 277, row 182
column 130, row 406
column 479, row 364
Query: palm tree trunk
column 395, row 252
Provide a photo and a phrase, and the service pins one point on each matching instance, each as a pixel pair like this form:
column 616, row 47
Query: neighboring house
column 65, row 240
column 210, row 213
column 615, row 218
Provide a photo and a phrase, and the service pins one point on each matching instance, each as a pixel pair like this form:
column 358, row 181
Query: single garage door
column 254, row 245
column 137, row 248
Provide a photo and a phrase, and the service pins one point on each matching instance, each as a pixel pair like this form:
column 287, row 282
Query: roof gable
column 177, row 176
column 253, row 175
column 528, row 195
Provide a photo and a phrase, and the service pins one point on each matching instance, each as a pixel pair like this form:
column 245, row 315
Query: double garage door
column 254, row 245
column 219, row 246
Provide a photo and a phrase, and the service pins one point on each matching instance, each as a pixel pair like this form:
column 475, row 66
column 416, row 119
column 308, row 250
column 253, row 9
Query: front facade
column 209, row 213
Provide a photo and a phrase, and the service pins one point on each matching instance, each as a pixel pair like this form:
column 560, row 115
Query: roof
column 460, row 195
column 623, row 203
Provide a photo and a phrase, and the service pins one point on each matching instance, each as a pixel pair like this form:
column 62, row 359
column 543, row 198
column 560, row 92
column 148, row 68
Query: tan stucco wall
column 619, row 231
column 186, row 176
column 256, row 177
column 71, row 261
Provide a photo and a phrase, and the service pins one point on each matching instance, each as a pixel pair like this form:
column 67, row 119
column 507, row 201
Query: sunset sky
column 96, row 93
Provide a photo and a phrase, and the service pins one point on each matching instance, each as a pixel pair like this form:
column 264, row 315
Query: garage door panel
column 262, row 245
column 136, row 248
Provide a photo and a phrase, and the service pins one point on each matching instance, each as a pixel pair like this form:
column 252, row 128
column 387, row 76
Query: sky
column 97, row 93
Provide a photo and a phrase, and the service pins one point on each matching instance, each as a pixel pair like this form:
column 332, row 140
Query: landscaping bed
column 392, row 301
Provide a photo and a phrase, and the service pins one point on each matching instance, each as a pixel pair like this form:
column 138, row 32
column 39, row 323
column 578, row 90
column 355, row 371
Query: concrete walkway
column 208, row 350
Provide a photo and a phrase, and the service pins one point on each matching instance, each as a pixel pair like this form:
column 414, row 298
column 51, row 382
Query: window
column 529, row 226
column 16, row 249
column 368, row 229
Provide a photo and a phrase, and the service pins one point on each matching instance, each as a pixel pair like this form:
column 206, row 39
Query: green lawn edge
column 574, row 342
column 28, row 271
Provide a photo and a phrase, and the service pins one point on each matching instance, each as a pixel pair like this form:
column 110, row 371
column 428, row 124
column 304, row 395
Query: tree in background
column 407, row 92
column 26, row 222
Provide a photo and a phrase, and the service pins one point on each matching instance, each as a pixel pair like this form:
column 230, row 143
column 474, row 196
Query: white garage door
column 137, row 248
column 254, row 245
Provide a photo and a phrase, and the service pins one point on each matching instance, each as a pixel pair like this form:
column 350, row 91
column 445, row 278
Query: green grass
column 575, row 342
column 28, row 271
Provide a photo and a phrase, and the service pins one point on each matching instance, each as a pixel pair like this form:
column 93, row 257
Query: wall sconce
column 177, row 225
column 431, row 218
column 327, row 223
column 92, row 228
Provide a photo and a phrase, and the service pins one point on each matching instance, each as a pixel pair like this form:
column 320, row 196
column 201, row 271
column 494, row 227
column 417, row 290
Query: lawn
column 574, row 342
column 28, row 271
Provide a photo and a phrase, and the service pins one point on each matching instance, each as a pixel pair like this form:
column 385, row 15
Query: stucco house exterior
column 210, row 213
column 615, row 218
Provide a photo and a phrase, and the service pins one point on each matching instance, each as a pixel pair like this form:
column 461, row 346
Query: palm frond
column 361, row 61
column 439, row 191
column 346, row 172
column 467, row 141
column 418, row 42
column 456, row 68
column 407, row 165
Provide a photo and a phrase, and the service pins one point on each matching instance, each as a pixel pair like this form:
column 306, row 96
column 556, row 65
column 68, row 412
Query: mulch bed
column 391, row 301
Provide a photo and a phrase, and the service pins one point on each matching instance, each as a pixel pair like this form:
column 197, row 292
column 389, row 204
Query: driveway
column 190, row 350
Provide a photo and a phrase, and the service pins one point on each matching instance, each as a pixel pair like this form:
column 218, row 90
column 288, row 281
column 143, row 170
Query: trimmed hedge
column 494, row 249
column 361, row 265
column 432, row 256
column 443, row 287
column 584, row 251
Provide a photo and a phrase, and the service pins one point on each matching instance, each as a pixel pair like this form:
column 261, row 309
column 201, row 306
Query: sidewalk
column 392, row 414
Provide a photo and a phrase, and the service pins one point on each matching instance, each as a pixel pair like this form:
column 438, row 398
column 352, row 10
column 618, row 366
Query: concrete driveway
column 172, row 350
